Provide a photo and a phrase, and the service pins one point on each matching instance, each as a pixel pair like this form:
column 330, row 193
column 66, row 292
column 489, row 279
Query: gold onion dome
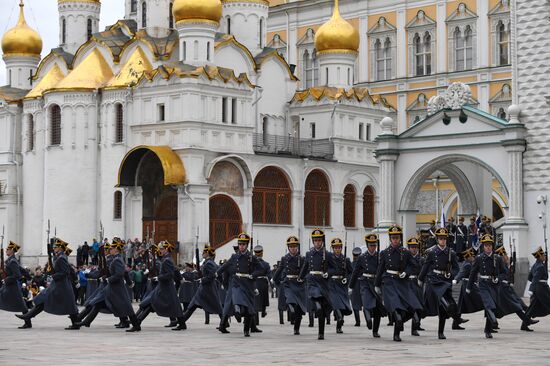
column 209, row 10
column 337, row 35
column 21, row 39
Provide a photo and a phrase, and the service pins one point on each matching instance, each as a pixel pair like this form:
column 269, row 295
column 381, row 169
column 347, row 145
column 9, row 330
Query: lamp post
column 435, row 182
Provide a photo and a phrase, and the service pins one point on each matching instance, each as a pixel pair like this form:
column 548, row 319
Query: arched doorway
column 158, row 170
column 317, row 199
column 225, row 220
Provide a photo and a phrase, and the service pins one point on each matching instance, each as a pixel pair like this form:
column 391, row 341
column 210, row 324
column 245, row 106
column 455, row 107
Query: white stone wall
column 76, row 15
column 248, row 23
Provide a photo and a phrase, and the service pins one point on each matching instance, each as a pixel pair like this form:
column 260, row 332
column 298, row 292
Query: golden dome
column 209, row 10
column 337, row 35
column 21, row 39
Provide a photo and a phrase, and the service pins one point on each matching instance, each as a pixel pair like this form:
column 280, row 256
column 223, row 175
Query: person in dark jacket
column 538, row 289
column 468, row 303
column 286, row 278
column 207, row 296
column 164, row 300
column 243, row 268
column 364, row 274
column 58, row 298
column 10, row 293
column 339, row 269
column 417, row 262
column 261, row 301
column 439, row 269
column 356, row 303
column 189, row 285
column 399, row 300
column 315, row 271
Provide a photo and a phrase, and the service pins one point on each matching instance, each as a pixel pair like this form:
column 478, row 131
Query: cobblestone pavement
column 47, row 343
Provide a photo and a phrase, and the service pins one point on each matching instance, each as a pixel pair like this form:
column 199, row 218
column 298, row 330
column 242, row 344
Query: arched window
column 30, row 133
column 501, row 113
column 133, row 6
column 315, row 64
column 184, row 51
column 261, row 33
column 317, row 200
column 271, row 197
column 368, row 207
column 55, row 125
column 503, row 44
column 383, row 59
column 207, row 51
column 117, row 205
column 228, row 25
column 143, row 14
column 423, row 54
column 349, row 206
column 63, row 31
column 463, row 49
column 119, row 123
column 265, row 131
column 468, row 47
column 171, row 17
column 89, row 29
column 225, row 220
column 307, row 68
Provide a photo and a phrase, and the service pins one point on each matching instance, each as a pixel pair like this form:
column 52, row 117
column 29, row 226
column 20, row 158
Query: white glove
column 146, row 272
column 420, row 283
column 344, row 281
column 468, row 290
column 377, row 290
column 455, row 282
column 325, row 275
column 504, row 281
column 132, row 285
column 530, row 293
column 155, row 279
column 300, row 280
column 77, row 285
column 403, row 275
column 256, row 292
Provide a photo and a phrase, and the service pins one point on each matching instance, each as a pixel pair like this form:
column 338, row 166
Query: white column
column 515, row 183
column 193, row 213
column 134, row 212
column 363, row 50
column 337, row 213
column 441, row 37
column 297, row 217
column 359, row 212
column 401, row 112
column 387, row 188
column 401, row 43
column 482, row 33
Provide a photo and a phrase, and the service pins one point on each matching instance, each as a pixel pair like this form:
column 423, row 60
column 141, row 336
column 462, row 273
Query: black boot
column 181, row 324
column 281, row 317
column 253, row 325
column 321, row 319
column 237, row 313
column 414, row 328
column 441, row 327
column 124, row 323
column 206, row 318
column 136, row 324
column 27, row 325
column 398, row 320
column 80, row 316
column 311, row 320
column 339, row 325
column 375, row 327
column 488, row 328
column 173, row 323
column 368, row 318
column 396, row 331
column 31, row 313
column 456, row 325
column 89, row 318
column 74, row 321
column 525, row 319
column 223, row 325
column 143, row 314
column 247, row 320
column 297, row 322
column 357, row 317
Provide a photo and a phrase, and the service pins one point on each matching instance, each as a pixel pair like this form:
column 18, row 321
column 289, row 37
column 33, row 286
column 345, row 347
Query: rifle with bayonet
column 197, row 258
column 49, row 248
column 513, row 260
column 2, row 263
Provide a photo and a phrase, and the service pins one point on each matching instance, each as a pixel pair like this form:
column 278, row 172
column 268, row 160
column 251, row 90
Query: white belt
column 337, row 277
column 440, row 272
column 264, row 277
column 392, row 272
column 486, row 277
column 543, row 281
column 368, row 275
column 465, row 279
column 244, row 275
column 292, row 276
column 412, row 277
column 319, row 273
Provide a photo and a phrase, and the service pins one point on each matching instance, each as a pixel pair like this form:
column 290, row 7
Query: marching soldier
column 10, row 292
column 415, row 268
column 338, row 270
column 399, row 300
column 287, row 278
column 164, row 300
column 432, row 239
column 461, row 237
column 189, row 285
column 207, row 296
column 315, row 267
column 468, row 303
column 58, row 299
column 113, row 295
column 539, row 290
column 356, row 302
column 472, row 233
column 364, row 275
column 440, row 267
column 451, row 230
column 261, row 301
column 509, row 301
column 243, row 269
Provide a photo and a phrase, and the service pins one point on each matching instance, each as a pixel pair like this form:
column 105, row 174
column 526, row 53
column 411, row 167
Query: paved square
column 49, row 344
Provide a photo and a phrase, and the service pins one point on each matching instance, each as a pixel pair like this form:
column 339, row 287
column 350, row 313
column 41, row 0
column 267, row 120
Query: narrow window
column 208, row 51
column 133, row 6
column 30, row 133
column 234, row 110
column 119, row 121
column 117, row 205
column 161, row 112
column 261, row 33
column 89, row 29
column 367, row 137
column 184, row 51
column 312, row 130
column 361, row 126
column 171, row 17
column 63, row 31
column 144, row 14
column 503, row 42
column 228, row 25
column 224, row 110
column 55, row 125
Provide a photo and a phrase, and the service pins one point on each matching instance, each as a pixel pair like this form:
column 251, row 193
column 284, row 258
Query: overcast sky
column 42, row 16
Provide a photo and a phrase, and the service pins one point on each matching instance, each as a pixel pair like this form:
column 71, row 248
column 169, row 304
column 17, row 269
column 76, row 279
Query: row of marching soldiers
column 396, row 282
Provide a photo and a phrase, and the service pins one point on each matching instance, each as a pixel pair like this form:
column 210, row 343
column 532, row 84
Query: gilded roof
column 49, row 81
column 331, row 93
column 21, row 39
column 161, row 47
column 92, row 73
column 132, row 70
